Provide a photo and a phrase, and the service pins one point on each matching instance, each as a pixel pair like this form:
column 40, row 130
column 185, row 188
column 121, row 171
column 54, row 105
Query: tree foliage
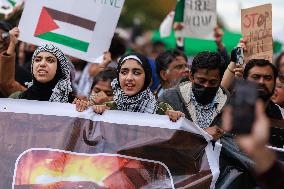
column 149, row 12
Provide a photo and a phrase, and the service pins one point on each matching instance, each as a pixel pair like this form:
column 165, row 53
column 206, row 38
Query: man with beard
column 171, row 67
column 264, row 73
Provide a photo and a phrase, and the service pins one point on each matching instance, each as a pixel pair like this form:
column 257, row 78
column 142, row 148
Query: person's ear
column 164, row 75
column 190, row 76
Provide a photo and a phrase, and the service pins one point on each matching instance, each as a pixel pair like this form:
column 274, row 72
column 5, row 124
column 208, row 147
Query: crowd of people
column 158, row 81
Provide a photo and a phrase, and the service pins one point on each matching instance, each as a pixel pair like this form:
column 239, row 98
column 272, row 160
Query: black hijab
column 56, row 90
column 144, row 101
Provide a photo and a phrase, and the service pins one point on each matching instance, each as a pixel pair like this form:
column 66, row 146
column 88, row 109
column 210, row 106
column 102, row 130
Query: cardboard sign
column 200, row 18
column 257, row 30
column 83, row 30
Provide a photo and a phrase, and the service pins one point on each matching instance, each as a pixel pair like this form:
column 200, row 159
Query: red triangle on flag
column 45, row 23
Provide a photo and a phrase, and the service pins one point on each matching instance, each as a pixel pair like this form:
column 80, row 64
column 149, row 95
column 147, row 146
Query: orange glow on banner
column 52, row 167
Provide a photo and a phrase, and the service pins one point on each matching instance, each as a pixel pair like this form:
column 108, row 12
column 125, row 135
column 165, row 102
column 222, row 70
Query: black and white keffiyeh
column 60, row 92
column 143, row 102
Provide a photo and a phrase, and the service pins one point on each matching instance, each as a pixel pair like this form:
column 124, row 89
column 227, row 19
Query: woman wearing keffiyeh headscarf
column 131, row 89
column 51, row 76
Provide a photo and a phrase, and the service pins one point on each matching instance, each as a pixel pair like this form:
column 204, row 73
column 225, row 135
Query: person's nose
column 42, row 63
column 186, row 70
column 129, row 77
column 206, row 84
column 261, row 80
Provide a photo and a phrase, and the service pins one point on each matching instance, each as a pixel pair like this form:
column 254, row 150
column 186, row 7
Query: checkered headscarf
column 144, row 101
column 60, row 92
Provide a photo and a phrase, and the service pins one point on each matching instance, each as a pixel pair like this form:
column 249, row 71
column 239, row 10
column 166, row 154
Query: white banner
column 52, row 145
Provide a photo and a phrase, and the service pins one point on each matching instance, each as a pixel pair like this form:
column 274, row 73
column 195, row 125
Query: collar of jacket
column 185, row 90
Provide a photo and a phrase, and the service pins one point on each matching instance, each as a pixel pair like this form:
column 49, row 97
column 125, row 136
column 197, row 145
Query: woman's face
column 131, row 77
column 278, row 96
column 281, row 65
column 44, row 67
column 102, row 92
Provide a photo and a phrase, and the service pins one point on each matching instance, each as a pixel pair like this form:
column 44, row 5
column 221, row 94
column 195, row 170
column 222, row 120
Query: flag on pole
column 83, row 30
column 166, row 25
column 179, row 11
column 7, row 6
column 12, row 3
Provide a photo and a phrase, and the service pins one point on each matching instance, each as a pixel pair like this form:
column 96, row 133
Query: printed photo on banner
column 49, row 168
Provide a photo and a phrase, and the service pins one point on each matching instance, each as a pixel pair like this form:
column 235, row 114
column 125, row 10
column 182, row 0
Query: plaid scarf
column 143, row 102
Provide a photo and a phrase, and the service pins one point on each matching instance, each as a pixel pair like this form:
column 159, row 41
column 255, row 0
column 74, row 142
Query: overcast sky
column 229, row 10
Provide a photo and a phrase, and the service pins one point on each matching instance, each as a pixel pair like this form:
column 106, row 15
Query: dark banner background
column 180, row 151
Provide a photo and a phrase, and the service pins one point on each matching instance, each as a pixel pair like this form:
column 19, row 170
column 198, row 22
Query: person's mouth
column 262, row 89
column 42, row 72
column 129, row 86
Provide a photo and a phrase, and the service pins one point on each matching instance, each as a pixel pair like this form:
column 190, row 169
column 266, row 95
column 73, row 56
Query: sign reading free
column 200, row 18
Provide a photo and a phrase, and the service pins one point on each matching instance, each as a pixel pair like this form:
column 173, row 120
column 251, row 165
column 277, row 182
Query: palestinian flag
column 179, row 11
column 50, row 145
column 82, row 30
column 7, row 6
column 12, row 2
column 52, row 23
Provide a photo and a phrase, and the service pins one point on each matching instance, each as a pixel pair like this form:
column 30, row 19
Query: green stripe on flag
column 179, row 11
column 65, row 40
column 13, row 3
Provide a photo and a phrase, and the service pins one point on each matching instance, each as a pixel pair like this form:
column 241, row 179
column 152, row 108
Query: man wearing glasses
column 171, row 67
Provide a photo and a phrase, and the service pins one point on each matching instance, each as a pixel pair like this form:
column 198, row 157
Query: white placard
column 200, row 18
column 82, row 29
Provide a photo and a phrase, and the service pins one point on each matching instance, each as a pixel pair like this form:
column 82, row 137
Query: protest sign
column 50, row 145
column 83, row 30
column 200, row 18
column 257, row 30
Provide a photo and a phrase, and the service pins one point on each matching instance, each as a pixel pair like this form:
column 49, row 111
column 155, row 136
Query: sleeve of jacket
column 218, row 119
column 224, row 53
column 8, row 85
column 167, row 97
column 173, row 98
